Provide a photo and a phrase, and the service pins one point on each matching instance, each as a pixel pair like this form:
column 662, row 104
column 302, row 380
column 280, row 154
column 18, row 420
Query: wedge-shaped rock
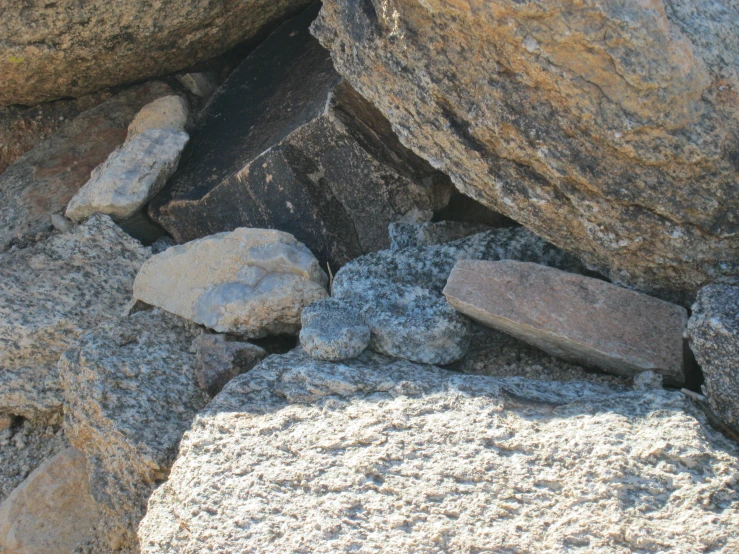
column 130, row 392
column 383, row 455
column 252, row 282
column 286, row 144
column 51, row 293
column 574, row 317
column 131, row 176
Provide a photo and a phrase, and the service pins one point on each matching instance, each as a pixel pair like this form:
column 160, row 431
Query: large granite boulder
column 608, row 128
column 383, row 455
column 51, row 293
column 50, row 50
column 287, row 144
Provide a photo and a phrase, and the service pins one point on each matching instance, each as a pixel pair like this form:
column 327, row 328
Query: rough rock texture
column 44, row 180
column 218, row 360
column 608, row 128
column 713, row 330
column 52, row 292
column 251, row 282
column 574, row 317
column 168, row 112
column 201, row 84
column 52, row 512
column 286, row 144
column 408, row 235
column 68, row 48
column 381, row 455
column 130, row 392
column 131, row 176
column 333, row 330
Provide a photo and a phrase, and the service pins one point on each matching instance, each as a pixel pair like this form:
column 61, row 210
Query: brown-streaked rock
column 578, row 318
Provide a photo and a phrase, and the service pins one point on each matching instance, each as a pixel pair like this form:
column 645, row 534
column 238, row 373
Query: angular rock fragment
column 130, row 392
column 332, row 330
column 383, row 455
column 168, row 112
column 286, row 144
column 52, row 292
column 131, row 176
column 219, row 360
column 251, row 282
column 578, row 318
column 45, row 179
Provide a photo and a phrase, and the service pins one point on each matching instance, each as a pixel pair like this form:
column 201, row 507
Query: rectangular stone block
column 578, row 318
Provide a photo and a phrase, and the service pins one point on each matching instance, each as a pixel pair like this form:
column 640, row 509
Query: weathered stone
column 286, row 144
column 408, row 235
column 44, row 180
column 332, row 330
column 130, row 392
column 251, row 282
column 68, row 48
column 168, row 112
column 608, row 128
column 131, row 176
column 383, row 455
column 219, row 360
column 52, row 512
column 52, row 292
column 713, row 330
column 202, row 84
column 585, row 320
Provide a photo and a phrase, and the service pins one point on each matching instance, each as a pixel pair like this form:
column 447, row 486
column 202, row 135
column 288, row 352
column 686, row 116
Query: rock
column 713, row 332
column 332, row 330
column 408, row 235
column 6, row 421
column 286, row 144
column 251, row 282
column 608, row 128
column 52, row 512
column 572, row 316
column 68, row 48
column 648, row 380
column 168, row 112
column 51, row 293
column 130, row 392
column 61, row 223
column 300, row 455
column 202, row 84
column 219, row 360
column 143, row 229
column 131, row 176
column 45, row 179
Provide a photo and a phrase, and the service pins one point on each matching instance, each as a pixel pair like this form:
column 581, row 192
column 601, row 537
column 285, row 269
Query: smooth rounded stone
column 250, row 282
column 333, row 331
column 168, row 112
column 376, row 454
column 713, row 332
column 131, row 176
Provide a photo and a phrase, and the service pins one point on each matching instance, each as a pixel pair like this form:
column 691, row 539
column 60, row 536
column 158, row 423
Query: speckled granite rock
column 130, row 392
column 713, row 330
column 219, row 360
column 608, row 128
column 51, row 293
column 408, row 235
column 387, row 456
column 333, row 330
column 251, row 282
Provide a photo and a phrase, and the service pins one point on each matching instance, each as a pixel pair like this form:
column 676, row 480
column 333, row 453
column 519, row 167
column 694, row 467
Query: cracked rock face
column 608, row 128
column 390, row 456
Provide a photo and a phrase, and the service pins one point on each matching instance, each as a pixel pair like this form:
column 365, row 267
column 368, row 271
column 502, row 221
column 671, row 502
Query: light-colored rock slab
column 219, row 360
column 381, row 455
column 574, row 317
column 168, row 112
column 252, row 282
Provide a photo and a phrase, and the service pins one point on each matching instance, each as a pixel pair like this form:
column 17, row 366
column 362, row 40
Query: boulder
column 608, row 128
column 52, row 292
column 168, row 112
column 713, row 331
column 251, row 282
column 286, row 144
column 333, row 330
column 68, row 48
column 572, row 316
column 131, row 176
column 130, row 392
column 218, row 360
column 44, row 180
column 383, row 455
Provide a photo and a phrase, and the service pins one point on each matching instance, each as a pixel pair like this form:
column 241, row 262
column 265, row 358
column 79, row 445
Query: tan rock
column 168, row 112
column 52, row 511
column 6, row 422
column 574, row 317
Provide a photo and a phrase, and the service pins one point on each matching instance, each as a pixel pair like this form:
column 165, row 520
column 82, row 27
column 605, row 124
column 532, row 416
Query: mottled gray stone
column 52, row 292
column 218, row 360
column 383, row 455
column 407, row 235
column 333, row 330
column 713, row 331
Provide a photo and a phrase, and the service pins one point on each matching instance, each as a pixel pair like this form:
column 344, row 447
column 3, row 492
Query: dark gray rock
column 333, row 330
column 407, row 235
column 219, row 360
column 286, row 144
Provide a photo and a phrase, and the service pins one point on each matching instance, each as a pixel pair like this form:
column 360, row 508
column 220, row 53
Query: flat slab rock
column 51, row 293
column 382, row 455
column 574, row 317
